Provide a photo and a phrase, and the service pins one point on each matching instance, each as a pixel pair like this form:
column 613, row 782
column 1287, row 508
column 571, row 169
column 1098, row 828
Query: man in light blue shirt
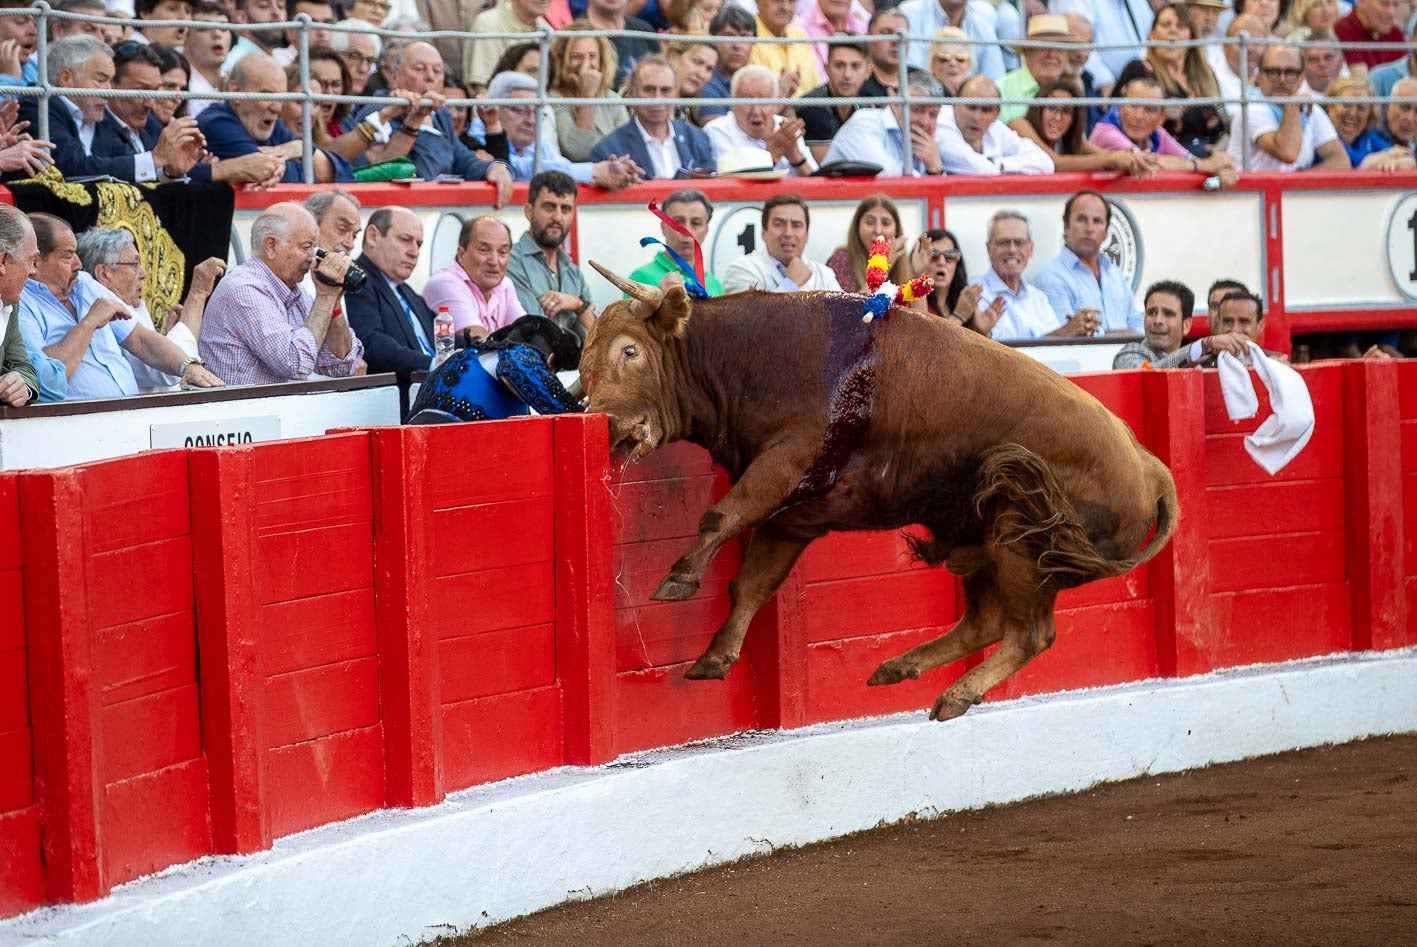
column 1126, row 23
column 1082, row 277
column 977, row 18
column 1387, row 75
column 69, row 314
column 875, row 136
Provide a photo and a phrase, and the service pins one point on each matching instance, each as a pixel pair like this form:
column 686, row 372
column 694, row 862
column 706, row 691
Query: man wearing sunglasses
column 1289, row 137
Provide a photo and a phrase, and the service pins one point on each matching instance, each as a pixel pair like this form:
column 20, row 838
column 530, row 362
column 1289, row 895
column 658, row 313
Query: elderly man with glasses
column 1289, row 137
column 359, row 50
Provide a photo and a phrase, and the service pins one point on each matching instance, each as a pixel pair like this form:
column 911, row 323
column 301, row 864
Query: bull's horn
column 650, row 295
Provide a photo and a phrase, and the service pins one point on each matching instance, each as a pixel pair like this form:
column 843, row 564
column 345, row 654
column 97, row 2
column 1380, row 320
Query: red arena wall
column 219, row 647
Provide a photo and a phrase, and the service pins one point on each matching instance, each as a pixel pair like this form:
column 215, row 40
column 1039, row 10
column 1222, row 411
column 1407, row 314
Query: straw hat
column 1046, row 26
column 754, row 164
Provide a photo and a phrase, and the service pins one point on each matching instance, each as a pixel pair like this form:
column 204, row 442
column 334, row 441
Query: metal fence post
column 1244, row 96
column 904, row 78
column 543, row 40
column 42, row 62
column 307, row 152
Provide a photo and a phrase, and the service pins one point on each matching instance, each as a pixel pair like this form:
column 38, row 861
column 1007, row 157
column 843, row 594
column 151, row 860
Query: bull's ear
column 673, row 311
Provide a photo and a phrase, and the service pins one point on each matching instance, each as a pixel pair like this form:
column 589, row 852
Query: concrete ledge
column 511, row 848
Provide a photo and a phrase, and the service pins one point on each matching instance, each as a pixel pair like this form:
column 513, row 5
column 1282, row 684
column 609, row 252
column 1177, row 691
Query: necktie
column 413, row 321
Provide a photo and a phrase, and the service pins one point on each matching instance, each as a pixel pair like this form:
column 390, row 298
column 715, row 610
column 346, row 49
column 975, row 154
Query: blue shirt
column 228, row 138
column 716, row 88
column 523, row 160
column 1071, row 286
column 1386, row 76
column 29, row 74
column 1365, row 144
column 104, row 371
column 874, row 135
column 53, row 379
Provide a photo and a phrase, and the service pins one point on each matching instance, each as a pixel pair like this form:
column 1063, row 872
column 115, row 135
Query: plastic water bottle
column 442, row 336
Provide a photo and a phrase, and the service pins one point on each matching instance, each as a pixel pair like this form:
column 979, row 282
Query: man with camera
column 260, row 328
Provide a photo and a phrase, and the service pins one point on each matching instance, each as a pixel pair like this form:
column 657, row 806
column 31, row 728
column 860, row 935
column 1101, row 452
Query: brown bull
column 1026, row 483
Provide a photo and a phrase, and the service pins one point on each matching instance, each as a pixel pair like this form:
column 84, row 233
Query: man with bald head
column 235, row 129
column 475, row 287
column 393, row 322
column 972, row 140
column 425, row 133
column 260, row 328
column 1290, row 137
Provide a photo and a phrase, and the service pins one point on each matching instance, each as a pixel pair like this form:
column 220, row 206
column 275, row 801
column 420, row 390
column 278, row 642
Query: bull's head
column 627, row 363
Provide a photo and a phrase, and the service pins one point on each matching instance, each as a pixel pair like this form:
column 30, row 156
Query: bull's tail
column 1019, row 492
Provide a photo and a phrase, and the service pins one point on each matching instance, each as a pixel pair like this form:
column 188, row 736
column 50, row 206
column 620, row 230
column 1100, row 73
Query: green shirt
column 1017, row 84
column 652, row 272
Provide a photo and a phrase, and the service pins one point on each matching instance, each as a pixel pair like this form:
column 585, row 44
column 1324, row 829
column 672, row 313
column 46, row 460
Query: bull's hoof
column 710, row 668
column 948, row 708
column 893, row 672
column 674, row 589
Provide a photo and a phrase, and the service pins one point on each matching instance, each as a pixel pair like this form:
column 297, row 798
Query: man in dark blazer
column 393, row 322
column 663, row 147
column 88, row 141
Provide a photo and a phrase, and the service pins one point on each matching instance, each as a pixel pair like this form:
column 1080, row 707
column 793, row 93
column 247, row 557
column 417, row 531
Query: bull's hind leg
column 767, row 482
column 769, row 559
column 981, row 625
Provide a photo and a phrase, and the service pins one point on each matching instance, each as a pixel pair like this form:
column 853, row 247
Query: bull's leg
column 981, row 625
column 769, row 559
column 767, row 482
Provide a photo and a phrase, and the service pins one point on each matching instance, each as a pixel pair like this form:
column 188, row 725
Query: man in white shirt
column 1287, row 137
column 874, row 135
column 1009, row 307
column 972, row 140
column 759, row 126
column 778, row 265
column 1227, row 70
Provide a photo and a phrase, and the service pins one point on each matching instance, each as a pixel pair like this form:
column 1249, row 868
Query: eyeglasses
column 521, row 111
column 1275, row 72
column 124, row 263
column 355, row 59
column 947, row 255
column 958, row 59
column 383, row 5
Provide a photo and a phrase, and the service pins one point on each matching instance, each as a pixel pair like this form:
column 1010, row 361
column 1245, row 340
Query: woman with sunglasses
column 950, row 62
column 1058, row 130
column 1356, row 125
column 945, row 264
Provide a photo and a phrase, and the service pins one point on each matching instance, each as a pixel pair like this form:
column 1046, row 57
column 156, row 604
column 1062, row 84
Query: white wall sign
column 1402, row 245
column 223, row 432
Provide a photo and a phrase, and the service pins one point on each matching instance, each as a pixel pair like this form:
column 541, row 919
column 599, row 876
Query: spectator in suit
column 665, row 148
column 475, row 287
column 139, row 132
column 260, row 328
column 393, row 321
column 237, row 129
column 86, row 140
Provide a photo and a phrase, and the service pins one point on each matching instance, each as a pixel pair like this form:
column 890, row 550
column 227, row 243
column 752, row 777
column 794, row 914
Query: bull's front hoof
column 893, row 672
column 674, row 589
column 948, row 708
column 710, row 668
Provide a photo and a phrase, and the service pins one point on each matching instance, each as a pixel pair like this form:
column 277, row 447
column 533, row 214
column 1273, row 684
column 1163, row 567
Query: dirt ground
column 1317, row 847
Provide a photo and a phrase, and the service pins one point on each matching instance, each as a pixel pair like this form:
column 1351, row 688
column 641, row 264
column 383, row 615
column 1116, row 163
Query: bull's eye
column 630, row 351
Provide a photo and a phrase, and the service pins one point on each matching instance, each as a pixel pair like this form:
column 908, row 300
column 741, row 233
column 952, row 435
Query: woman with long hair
column 945, row 263
column 1307, row 17
column 1058, row 130
column 175, row 74
column 1182, row 73
column 876, row 216
column 583, row 67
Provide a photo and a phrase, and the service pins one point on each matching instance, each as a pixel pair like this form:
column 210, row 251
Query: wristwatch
column 189, row 360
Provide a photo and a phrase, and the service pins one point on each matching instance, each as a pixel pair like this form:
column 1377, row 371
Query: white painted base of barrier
column 508, row 849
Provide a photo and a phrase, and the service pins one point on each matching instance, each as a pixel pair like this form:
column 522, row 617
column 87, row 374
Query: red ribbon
column 683, row 231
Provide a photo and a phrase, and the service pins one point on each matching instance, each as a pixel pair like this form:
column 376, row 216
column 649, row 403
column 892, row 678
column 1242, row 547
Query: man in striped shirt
column 260, row 328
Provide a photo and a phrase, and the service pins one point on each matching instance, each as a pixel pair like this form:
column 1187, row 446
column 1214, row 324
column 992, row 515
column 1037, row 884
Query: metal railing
column 302, row 24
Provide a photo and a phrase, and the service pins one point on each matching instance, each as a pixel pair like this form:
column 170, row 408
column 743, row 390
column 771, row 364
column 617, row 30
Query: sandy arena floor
column 1317, row 847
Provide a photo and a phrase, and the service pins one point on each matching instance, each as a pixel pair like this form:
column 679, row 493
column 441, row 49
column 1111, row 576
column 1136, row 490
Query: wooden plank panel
column 657, row 707
column 136, row 500
column 494, row 461
column 675, row 461
column 149, row 733
column 1135, row 586
column 325, row 780
column 491, row 535
column 1409, row 445
column 313, row 482
column 1269, row 625
column 646, row 511
column 156, row 820
column 1106, row 644
column 14, row 693
column 1409, row 497
column 138, row 582
column 309, row 632
column 1120, row 392
column 1266, row 509
column 1228, row 464
column 837, row 672
column 16, row 771
column 850, row 555
column 639, row 572
column 1409, row 552
column 1407, row 390
column 314, row 562
column 661, row 633
column 511, row 597
column 145, row 657
column 1325, row 384
column 12, row 630
column 495, row 662
column 23, row 889
column 1276, row 561
column 305, row 705
column 850, row 608
column 500, row 736
column 1411, row 590
column 9, row 524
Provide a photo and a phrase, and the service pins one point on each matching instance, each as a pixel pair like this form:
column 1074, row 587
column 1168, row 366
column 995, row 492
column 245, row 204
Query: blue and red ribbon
column 693, row 275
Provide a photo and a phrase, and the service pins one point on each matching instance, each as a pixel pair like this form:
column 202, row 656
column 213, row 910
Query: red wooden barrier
column 21, row 871
column 121, row 778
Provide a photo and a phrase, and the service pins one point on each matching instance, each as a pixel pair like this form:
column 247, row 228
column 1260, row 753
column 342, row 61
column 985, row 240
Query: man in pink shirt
column 827, row 18
column 475, row 287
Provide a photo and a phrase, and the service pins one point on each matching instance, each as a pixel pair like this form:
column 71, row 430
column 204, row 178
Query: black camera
column 354, row 277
